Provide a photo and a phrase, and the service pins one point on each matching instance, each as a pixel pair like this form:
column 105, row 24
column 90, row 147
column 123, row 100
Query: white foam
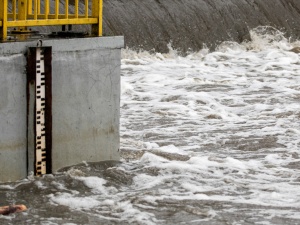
column 74, row 202
column 94, row 183
column 231, row 115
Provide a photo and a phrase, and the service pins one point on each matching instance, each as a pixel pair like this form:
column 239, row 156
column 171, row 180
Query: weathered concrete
column 12, row 117
column 85, row 103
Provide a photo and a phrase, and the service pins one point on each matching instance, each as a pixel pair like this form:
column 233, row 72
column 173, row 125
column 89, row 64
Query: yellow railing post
column 3, row 19
column 67, row 9
column 86, row 8
column 35, row 9
column 14, row 9
column 39, row 7
column 29, row 6
column 100, row 17
column 22, row 9
column 56, row 9
column 22, row 12
column 46, row 9
column 76, row 8
column 97, row 7
column 29, row 13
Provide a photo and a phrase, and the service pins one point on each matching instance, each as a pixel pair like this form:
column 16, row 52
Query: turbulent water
column 210, row 138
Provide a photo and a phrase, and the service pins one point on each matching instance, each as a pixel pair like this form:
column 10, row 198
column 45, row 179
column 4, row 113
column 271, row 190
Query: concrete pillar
column 85, row 103
column 12, row 117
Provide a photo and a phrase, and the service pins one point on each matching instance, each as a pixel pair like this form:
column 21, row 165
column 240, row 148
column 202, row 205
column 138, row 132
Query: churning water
column 209, row 138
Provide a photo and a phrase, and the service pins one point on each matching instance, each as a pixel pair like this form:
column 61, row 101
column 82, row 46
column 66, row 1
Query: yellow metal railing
column 30, row 13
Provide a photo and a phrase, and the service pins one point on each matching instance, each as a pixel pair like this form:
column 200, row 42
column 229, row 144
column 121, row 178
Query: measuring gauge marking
column 40, row 114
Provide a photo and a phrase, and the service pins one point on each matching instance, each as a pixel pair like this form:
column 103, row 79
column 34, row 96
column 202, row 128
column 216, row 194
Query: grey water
column 209, row 138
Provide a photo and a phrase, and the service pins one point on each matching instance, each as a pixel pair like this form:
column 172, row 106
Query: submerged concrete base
column 85, row 103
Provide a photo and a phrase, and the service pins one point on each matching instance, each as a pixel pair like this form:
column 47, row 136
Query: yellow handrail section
column 30, row 13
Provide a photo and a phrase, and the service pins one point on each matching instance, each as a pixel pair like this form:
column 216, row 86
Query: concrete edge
column 59, row 45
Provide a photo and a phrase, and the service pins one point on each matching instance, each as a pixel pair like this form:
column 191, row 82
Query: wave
column 261, row 38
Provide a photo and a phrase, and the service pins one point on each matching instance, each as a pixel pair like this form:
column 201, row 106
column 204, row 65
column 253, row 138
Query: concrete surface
column 85, row 103
column 12, row 117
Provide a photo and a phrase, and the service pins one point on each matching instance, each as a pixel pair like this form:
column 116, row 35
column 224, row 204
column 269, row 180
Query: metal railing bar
column 76, row 8
column 53, row 16
column 21, row 23
column 39, row 7
column 24, row 13
column 67, row 9
column 46, row 9
column 86, row 10
column 35, row 9
column 56, row 9
column 29, row 6
column 49, row 16
column 14, row 9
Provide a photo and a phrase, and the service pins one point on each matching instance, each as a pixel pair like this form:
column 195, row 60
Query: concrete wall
column 12, row 117
column 85, row 103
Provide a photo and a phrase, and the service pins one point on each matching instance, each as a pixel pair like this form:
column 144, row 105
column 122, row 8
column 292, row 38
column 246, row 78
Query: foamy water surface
column 209, row 138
